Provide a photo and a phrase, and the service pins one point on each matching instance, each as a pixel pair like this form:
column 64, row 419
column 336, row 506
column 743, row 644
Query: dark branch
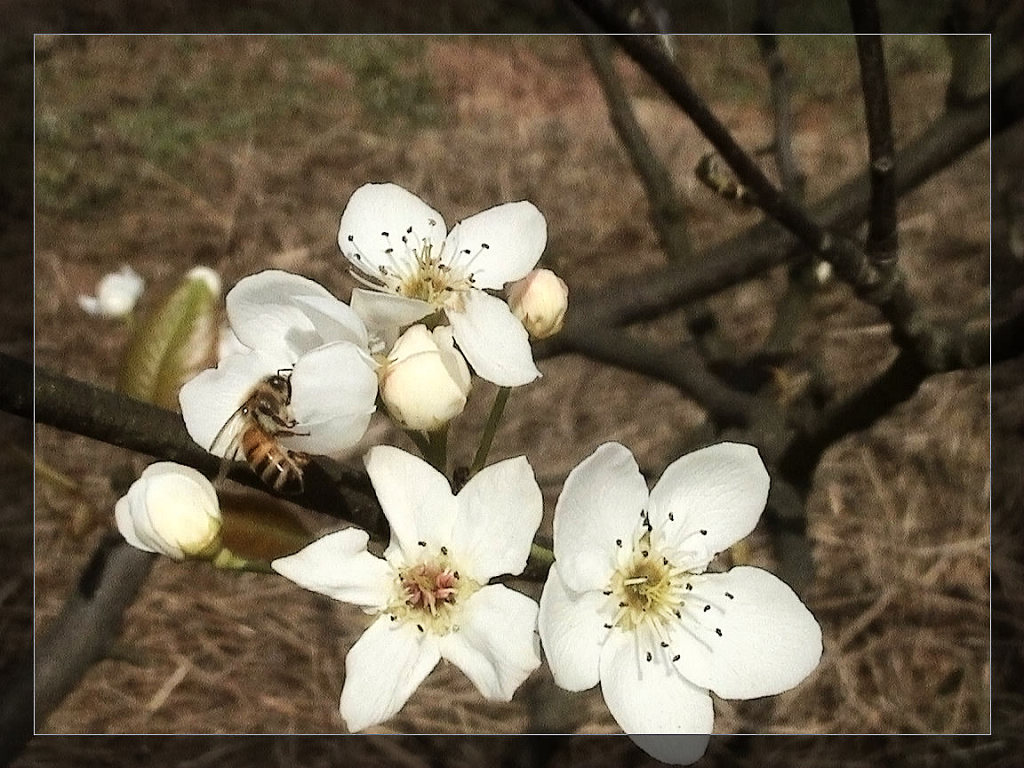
column 896, row 385
column 763, row 246
column 679, row 365
column 667, row 213
column 768, row 44
column 84, row 409
column 90, row 621
column 882, row 243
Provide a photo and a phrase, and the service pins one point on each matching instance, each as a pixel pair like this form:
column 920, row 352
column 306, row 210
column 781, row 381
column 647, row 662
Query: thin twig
column 937, row 347
column 882, row 243
column 763, row 246
column 666, row 209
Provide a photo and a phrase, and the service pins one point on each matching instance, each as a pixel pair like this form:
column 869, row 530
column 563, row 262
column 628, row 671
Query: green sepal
column 171, row 344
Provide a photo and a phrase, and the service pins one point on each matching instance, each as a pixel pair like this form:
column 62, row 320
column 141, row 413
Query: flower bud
column 116, row 294
column 425, row 381
column 171, row 510
column 539, row 300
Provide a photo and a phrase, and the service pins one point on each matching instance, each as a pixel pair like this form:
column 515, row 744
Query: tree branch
column 89, row 622
column 666, row 210
column 882, row 243
column 84, row 409
column 763, row 246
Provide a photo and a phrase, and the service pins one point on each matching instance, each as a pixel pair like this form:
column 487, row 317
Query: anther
column 485, row 246
column 671, row 517
column 607, row 592
column 664, row 644
column 718, row 631
column 645, row 553
column 618, row 542
column 703, row 532
column 649, row 656
column 689, row 586
column 729, row 595
column 422, row 543
column 707, row 608
column 607, row 626
column 444, row 551
column 420, row 627
column 676, row 657
column 351, row 238
column 384, row 234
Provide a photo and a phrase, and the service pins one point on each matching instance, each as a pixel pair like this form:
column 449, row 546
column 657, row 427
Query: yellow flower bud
column 171, row 510
column 539, row 300
column 425, row 381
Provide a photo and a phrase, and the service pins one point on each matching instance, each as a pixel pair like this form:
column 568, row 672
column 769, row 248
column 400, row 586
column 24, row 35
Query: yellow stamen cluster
column 432, row 281
column 649, row 590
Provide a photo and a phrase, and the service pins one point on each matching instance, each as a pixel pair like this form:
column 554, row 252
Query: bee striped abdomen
column 275, row 465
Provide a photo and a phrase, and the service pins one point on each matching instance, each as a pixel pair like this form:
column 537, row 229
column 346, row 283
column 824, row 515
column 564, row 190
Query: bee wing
column 228, row 441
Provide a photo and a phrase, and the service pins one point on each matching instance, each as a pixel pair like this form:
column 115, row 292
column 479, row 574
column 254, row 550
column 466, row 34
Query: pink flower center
column 428, row 586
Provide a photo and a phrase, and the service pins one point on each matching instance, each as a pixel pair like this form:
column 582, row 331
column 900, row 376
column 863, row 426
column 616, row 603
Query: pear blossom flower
column 171, row 510
column 116, row 294
column 425, row 381
column 540, row 300
column 413, row 268
column 629, row 602
column 288, row 323
column 429, row 593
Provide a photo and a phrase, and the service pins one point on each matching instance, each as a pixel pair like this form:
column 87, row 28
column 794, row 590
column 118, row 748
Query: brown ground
column 240, row 153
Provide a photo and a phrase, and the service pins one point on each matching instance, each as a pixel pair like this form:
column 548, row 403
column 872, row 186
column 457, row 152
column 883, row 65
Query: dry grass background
column 240, row 153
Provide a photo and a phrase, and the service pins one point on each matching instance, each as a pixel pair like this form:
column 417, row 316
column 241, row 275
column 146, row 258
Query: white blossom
column 171, row 510
column 116, row 294
column 629, row 602
column 290, row 324
column 413, row 268
column 429, row 594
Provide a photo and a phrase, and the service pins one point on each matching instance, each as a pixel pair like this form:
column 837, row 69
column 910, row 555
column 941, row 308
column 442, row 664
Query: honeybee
column 713, row 174
column 254, row 431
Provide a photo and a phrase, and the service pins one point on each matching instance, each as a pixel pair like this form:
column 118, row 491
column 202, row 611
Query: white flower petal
column 376, row 219
column 499, row 510
column 650, row 697
column 496, row 643
column 338, row 565
column 493, row 340
column 514, row 235
column 572, row 631
column 334, row 320
column 769, row 641
column 387, row 311
column 334, row 389
column 263, row 313
column 383, row 669
column 721, row 489
column 673, row 748
column 600, row 503
column 210, row 399
column 416, row 500
column 133, row 522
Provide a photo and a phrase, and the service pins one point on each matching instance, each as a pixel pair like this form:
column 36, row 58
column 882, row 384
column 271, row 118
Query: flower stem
column 435, row 449
column 490, row 428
